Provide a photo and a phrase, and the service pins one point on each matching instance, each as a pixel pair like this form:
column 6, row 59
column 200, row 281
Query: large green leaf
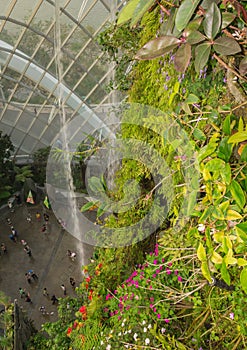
column 215, row 164
column 212, row 21
column 226, row 46
column 226, row 174
column 237, row 193
column 195, row 37
column 225, row 274
column 242, row 262
column 202, row 52
column 226, row 126
column 205, row 271
column 182, row 57
column 185, row 12
column 243, row 279
column 226, row 19
column 141, row 8
column 201, row 253
column 157, row 47
column 127, row 11
column 238, row 137
column 225, row 149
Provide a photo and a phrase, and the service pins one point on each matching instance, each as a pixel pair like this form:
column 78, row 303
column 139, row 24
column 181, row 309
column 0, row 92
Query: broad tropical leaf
column 201, row 253
column 226, row 19
column 238, row 137
column 212, row 21
column 182, row 57
column 127, row 11
column 237, row 194
column 185, row 12
column 202, row 52
column 195, row 37
column 157, row 47
column 141, row 8
column 225, row 274
column 226, row 46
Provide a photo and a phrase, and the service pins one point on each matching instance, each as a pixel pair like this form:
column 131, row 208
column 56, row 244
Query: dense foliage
column 186, row 288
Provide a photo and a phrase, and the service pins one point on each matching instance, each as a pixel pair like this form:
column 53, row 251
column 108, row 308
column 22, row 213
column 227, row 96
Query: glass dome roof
column 49, row 57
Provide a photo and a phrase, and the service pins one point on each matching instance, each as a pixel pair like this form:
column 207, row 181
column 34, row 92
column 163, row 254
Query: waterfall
column 71, row 209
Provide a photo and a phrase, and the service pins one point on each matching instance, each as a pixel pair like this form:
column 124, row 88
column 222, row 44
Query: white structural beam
column 21, row 63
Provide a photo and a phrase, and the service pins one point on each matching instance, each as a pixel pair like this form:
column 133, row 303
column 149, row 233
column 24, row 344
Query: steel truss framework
column 29, row 87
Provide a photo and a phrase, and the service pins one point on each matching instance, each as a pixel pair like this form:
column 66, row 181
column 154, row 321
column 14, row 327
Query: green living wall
column 184, row 286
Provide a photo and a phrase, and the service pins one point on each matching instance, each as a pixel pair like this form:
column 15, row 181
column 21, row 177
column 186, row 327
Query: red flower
column 75, row 324
column 100, row 265
column 88, row 279
column 69, row 331
column 83, row 309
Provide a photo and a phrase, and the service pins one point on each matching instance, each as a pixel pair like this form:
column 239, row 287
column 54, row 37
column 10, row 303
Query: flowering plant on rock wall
column 143, row 308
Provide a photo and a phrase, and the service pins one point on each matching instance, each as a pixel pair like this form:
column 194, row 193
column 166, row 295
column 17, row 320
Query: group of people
column 30, row 276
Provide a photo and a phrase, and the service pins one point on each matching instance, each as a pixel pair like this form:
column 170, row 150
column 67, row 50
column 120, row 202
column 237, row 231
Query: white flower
column 108, row 347
column 101, row 342
column 130, row 330
column 145, row 329
column 163, row 330
column 201, row 228
column 135, row 336
column 149, row 326
column 147, row 341
column 122, row 324
column 143, row 322
column 119, row 334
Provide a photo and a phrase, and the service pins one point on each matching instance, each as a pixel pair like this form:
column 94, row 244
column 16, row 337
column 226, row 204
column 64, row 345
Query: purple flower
column 166, row 320
column 155, row 262
column 176, row 272
column 154, row 275
column 158, row 315
column 168, row 271
column 180, row 279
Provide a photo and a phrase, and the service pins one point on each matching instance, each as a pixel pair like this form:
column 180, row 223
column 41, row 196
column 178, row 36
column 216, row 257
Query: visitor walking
column 13, row 238
column 64, row 289
column 72, row 282
column 46, row 217
column 71, row 254
column 28, row 277
column 54, row 299
column 28, row 299
column 45, row 293
column 29, row 218
column 44, row 228
column 38, row 216
column 10, row 205
column 14, row 232
column 33, row 275
column 22, row 292
column 4, row 248
column 28, row 251
column 24, row 243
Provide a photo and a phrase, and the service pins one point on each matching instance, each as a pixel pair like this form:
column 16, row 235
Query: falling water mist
column 70, row 217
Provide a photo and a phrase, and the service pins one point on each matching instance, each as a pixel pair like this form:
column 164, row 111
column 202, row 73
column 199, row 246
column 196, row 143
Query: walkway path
column 49, row 260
